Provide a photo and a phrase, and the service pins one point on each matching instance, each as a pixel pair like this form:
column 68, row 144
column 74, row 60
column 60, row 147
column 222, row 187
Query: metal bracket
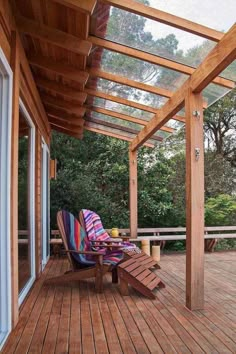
column 196, row 114
column 197, row 153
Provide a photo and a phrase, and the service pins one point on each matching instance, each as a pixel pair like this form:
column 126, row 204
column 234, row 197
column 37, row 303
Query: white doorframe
column 5, row 204
column 45, row 203
column 31, row 206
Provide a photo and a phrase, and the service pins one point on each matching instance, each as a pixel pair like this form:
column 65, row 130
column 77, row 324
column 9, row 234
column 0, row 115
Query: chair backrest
column 91, row 222
column 74, row 238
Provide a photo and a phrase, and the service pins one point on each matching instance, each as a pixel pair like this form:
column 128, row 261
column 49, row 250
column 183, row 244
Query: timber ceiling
column 65, row 42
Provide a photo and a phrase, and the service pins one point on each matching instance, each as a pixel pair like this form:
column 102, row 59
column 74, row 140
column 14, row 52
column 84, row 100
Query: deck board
column 78, row 320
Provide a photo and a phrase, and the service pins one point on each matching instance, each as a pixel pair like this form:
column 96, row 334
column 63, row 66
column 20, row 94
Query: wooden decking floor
column 77, row 320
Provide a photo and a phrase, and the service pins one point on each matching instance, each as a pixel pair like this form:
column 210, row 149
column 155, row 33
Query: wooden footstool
column 141, row 257
column 139, row 277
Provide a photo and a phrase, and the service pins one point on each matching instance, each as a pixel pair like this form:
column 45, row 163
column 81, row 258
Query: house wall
column 23, row 87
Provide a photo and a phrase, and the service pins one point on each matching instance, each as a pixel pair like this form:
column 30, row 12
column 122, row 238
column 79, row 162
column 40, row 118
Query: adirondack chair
column 135, row 268
column 85, row 263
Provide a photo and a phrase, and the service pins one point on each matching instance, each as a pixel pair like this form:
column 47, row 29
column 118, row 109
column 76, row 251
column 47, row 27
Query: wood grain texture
column 86, row 6
column 70, row 107
column 53, row 36
column 166, row 18
column 60, row 68
column 63, row 90
column 86, row 322
column 194, row 203
column 133, row 192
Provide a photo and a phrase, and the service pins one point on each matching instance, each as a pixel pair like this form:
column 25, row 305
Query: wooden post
column 194, row 202
column 38, row 206
column 15, row 65
column 133, row 193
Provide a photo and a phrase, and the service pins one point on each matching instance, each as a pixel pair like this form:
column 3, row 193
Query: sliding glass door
column 5, row 177
column 45, row 202
column 26, row 205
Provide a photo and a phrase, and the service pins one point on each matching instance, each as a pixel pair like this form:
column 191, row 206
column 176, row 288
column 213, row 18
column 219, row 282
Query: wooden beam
column 70, row 107
column 194, row 203
column 66, row 131
column 85, row 6
column 218, row 59
column 153, row 59
column 15, row 66
column 112, row 135
column 59, row 68
column 166, row 18
column 60, row 114
column 53, row 36
column 118, row 127
column 126, row 102
column 133, row 193
column 125, row 117
column 131, row 83
column 65, row 123
column 63, row 90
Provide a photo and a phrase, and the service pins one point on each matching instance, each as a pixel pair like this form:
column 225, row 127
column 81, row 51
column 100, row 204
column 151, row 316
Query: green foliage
column 220, row 211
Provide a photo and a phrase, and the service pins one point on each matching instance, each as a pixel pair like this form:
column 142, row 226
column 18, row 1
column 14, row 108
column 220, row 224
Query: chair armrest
column 86, row 252
column 109, row 246
column 113, row 240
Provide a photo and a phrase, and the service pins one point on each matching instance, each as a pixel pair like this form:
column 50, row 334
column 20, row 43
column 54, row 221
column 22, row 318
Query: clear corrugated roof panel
column 129, row 93
column 216, row 14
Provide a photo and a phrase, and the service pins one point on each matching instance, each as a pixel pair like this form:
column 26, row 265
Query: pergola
column 64, row 41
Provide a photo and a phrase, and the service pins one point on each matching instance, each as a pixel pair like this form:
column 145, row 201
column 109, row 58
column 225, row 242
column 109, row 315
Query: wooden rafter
column 86, row 6
column 118, row 127
column 166, row 18
column 216, row 61
column 61, row 114
column 64, row 123
column 125, row 117
column 126, row 102
column 113, row 135
column 60, row 68
column 53, row 36
column 65, row 105
column 66, row 131
column 153, row 59
column 131, row 83
column 63, row 90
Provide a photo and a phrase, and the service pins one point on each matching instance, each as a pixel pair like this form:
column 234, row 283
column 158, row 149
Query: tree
column 220, row 127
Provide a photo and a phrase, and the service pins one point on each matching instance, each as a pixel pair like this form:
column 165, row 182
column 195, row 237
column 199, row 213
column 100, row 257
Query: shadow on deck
column 77, row 320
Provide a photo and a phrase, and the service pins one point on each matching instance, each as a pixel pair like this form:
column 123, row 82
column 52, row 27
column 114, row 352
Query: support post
column 133, row 193
column 194, row 202
column 15, row 66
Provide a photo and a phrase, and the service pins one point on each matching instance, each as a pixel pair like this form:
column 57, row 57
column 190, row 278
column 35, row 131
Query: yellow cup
column 114, row 232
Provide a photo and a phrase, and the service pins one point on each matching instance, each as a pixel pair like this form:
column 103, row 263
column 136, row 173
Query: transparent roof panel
column 156, row 38
column 211, row 13
column 213, row 93
column 120, row 132
column 127, row 92
column 141, row 71
column 120, row 108
column 123, row 123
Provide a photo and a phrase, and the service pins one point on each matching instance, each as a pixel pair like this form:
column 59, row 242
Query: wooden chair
column 84, row 262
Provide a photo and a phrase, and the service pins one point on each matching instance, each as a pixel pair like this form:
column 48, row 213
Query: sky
column 217, row 14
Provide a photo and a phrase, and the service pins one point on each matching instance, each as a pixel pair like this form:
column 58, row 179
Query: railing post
column 194, row 202
column 133, row 193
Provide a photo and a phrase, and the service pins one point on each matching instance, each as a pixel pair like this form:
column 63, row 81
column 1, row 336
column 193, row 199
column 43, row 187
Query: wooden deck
column 77, row 320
